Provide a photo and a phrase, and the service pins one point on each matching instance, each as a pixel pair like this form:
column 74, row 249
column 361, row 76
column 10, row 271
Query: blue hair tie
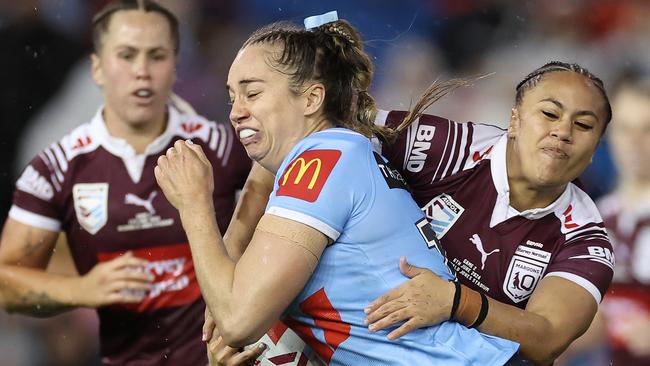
column 318, row 20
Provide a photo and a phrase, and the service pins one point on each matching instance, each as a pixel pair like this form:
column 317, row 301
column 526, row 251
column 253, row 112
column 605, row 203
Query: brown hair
column 102, row 19
column 333, row 55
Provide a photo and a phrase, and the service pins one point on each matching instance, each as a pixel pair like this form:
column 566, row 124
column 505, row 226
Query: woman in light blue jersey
column 339, row 216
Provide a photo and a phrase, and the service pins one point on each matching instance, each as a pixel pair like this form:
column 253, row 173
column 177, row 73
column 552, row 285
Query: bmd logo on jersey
column 306, row 175
column 419, row 143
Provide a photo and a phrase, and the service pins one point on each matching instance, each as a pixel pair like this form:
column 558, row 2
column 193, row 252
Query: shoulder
column 341, row 139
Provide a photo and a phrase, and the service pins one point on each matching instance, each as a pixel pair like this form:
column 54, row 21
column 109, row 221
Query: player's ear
column 314, row 98
column 513, row 124
column 96, row 69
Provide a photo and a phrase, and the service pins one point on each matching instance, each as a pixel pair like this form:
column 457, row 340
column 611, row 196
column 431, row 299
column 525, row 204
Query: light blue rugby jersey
column 334, row 182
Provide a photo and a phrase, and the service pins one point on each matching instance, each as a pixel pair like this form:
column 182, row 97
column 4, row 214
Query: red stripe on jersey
column 319, row 307
column 283, row 359
column 276, row 332
column 174, row 278
column 306, row 175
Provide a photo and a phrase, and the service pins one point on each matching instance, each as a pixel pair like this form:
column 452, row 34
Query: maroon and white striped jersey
column 105, row 197
column 628, row 299
column 457, row 174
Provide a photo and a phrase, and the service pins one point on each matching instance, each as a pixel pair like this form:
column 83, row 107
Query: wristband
column 485, row 306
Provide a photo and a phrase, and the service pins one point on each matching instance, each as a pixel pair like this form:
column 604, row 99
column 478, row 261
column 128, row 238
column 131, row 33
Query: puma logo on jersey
column 132, row 199
column 476, row 240
column 419, row 147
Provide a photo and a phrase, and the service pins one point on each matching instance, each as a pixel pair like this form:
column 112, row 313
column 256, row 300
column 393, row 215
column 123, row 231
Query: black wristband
column 454, row 305
column 485, row 306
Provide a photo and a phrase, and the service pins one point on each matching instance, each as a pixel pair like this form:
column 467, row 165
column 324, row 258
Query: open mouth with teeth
column 246, row 132
column 143, row 93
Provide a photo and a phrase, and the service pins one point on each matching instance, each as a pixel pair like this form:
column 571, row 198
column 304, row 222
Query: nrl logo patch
column 91, row 205
column 442, row 212
column 526, row 268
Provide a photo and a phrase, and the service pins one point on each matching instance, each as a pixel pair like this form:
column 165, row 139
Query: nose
column 141, row 67
column 238, row 112
column 562, row 130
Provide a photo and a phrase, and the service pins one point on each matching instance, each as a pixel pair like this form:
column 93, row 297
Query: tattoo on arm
column 37, row 304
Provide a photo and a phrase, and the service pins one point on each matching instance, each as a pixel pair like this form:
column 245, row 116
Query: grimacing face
column 630, row 135
column 554, row 132
column 135, row 67
column 268, row 117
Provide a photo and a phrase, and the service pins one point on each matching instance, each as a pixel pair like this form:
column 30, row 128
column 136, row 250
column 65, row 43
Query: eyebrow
column 247, row 81
column 560, row 105
column 151, row 49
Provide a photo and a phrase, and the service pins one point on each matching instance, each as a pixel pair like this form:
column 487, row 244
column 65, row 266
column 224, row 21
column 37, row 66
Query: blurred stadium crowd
column 46, row 86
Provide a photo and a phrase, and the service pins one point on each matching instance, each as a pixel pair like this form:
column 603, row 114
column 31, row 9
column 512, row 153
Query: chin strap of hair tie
column 316, row 21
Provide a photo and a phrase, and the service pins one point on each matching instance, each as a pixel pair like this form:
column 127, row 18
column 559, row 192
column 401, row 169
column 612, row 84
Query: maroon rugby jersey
column 628, row 299
column 457, row 174
column 105, row 197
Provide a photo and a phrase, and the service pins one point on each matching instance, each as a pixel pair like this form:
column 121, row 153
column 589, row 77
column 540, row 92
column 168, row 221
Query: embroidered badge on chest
column 442, row 212
column 91, row 205
column 526, row 268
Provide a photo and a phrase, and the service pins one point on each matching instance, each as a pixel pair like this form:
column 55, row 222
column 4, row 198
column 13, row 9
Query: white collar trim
column 119, row 147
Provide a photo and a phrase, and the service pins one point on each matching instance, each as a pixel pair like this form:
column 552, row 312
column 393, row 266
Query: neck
column 138, row 135
column 525, row 195
column 273, row 164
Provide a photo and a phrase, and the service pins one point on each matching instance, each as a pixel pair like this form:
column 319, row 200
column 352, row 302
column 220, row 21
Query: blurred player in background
column 626, row 211
column 96, row 184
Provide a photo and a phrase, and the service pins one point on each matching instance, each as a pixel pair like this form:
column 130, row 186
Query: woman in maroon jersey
column 514, row 226
column 528, row 246
column 96, row 184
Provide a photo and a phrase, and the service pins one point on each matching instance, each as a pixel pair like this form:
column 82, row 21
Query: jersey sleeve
column 433, row 148
column 587, row 259
column 322, row 185
column 34, row 200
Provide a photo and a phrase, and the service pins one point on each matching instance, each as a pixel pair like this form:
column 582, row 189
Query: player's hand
column 184, row 174
column 219, row 354
column 423, row 301
column 208, row 325
column 120, row 280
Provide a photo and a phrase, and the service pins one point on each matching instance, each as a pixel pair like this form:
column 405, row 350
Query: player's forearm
column 249, row 210
column 35, row 292
column 215, row 271
column 539, row 341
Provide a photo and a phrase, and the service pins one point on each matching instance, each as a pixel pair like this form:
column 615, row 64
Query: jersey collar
column 121, row 148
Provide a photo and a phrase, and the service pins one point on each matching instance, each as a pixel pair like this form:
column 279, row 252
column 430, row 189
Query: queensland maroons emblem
column 91, row 205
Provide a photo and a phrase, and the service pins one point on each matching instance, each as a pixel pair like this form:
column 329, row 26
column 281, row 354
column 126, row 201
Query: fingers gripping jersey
column 457, row 173
column 334, row 183
column 105, row 197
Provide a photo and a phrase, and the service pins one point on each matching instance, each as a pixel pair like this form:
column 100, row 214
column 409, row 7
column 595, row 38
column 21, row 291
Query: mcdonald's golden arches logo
column 306, row 175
